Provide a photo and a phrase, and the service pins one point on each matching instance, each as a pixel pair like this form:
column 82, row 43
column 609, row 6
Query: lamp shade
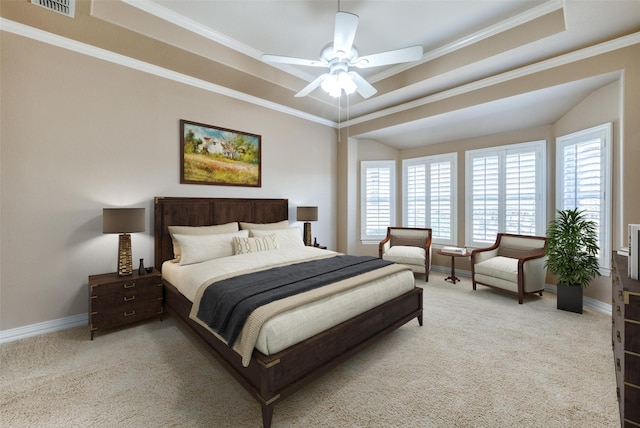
column 307, row 214
column 122, row 220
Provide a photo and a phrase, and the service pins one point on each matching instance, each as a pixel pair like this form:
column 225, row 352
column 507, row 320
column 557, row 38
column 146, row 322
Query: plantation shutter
column 485, row 198
column 520, row 193
column 378, row 200
column 506, row 192
column 440, row 197
column 416, row 200
column 429, row 197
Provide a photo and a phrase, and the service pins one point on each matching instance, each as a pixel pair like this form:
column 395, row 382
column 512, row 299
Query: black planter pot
column 569, row 298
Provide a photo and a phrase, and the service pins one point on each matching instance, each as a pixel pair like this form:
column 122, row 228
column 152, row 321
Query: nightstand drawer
column 631, row 404
column 632, row 369
column 133, row 283
column 632, row 306
column 123, row 297
column 632, row 337
column 125, row 314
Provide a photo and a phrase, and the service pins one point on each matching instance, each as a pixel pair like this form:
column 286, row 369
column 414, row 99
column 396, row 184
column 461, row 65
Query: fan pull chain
column 348, row 105
column 339, row 118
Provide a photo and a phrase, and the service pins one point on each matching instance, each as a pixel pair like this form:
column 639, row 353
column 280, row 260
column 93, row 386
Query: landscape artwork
column 220, row 156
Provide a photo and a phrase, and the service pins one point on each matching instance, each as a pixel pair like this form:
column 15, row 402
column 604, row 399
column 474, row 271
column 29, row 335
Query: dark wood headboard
column 176, row 211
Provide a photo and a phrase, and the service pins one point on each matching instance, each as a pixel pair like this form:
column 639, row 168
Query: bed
column 270, row 376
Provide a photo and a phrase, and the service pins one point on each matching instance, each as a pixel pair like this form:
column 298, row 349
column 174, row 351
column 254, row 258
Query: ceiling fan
column 342, row 54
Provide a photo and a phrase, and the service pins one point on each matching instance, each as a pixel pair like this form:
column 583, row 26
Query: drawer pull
column 618, row 336
column 618, row 311
column 128, row 314
column 133, row 284
column 618, row 367
column 129, row 298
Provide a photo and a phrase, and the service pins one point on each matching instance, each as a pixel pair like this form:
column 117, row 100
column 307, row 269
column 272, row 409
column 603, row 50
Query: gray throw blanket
column 226, row 304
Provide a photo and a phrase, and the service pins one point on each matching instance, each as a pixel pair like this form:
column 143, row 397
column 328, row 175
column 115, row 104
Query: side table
column 453, row 256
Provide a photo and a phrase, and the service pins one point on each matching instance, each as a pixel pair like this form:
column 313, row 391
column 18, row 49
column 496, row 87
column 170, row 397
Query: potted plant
column 572, row 255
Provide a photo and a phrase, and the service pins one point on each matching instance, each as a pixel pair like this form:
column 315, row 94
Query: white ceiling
column 301, row 28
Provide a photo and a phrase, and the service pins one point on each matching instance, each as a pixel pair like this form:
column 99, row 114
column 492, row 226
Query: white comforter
column 293, row 326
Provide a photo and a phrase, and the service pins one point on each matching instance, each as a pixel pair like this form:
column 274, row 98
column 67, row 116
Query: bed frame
column 271, row 378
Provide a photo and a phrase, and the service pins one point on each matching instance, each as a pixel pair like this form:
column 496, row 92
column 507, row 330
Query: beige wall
column 79, row 134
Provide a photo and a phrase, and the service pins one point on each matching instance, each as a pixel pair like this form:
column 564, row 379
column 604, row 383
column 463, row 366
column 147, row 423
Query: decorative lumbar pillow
column 200, row 248
column 199, row 230
column 408, row 241
column 287, row 238
column 255, row 245
column 265, row 226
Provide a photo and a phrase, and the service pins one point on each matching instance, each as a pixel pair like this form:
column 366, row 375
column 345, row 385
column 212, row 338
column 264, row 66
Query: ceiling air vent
column 65, row 7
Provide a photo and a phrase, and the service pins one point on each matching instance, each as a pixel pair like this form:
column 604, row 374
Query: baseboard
column 594, row 304
column 43, row 327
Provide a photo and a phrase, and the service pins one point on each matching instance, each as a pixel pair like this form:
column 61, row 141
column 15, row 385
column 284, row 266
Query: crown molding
column 199, row 29
column 106, row 55
column 548, row 64
column 485, row 33
column 86, row 49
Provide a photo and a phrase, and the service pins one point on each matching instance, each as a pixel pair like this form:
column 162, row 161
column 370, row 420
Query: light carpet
column 480, row 360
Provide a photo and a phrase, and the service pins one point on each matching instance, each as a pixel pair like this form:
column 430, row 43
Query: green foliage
column 572, row 248
column 190, row 142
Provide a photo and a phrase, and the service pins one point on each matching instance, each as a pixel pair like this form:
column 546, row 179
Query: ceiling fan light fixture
column 334, row 84
column 346, row 83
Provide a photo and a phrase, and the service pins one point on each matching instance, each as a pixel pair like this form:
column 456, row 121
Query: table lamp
column 307, row 214
column 123, row 221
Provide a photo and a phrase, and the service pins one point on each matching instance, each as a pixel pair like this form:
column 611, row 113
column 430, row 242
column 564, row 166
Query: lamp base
column 125, row 266
column 307, row 234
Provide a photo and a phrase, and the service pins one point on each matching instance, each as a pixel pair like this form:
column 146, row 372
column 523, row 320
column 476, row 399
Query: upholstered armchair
column 515, row 263
column 408, row 246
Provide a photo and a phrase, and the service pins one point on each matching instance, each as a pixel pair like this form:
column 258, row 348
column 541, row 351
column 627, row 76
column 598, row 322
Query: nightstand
column 119, row 300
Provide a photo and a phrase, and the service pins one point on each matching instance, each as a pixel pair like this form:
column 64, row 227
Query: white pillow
column 200, row 248
column 199, row 230
column 287, row 238
column 255, row 245
column 265, row 226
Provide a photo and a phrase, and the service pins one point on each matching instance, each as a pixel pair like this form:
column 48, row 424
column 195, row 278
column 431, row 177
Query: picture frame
column 219, row 156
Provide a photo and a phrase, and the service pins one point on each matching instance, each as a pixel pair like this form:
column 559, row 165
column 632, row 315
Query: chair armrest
column 533, row 271
column 384, row 245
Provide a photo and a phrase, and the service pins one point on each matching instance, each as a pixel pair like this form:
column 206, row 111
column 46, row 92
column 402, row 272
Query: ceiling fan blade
column 311, row 86
column 412, row 53
column 364, row 88
column 344, row 33
column 294, row 61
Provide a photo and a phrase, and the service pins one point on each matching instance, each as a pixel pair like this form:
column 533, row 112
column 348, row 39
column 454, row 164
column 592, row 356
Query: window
column 429, row 195
column 504, row 189
column 378, row 205
column 584, row 180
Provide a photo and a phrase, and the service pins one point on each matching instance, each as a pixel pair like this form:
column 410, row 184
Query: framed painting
column 219, row 156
